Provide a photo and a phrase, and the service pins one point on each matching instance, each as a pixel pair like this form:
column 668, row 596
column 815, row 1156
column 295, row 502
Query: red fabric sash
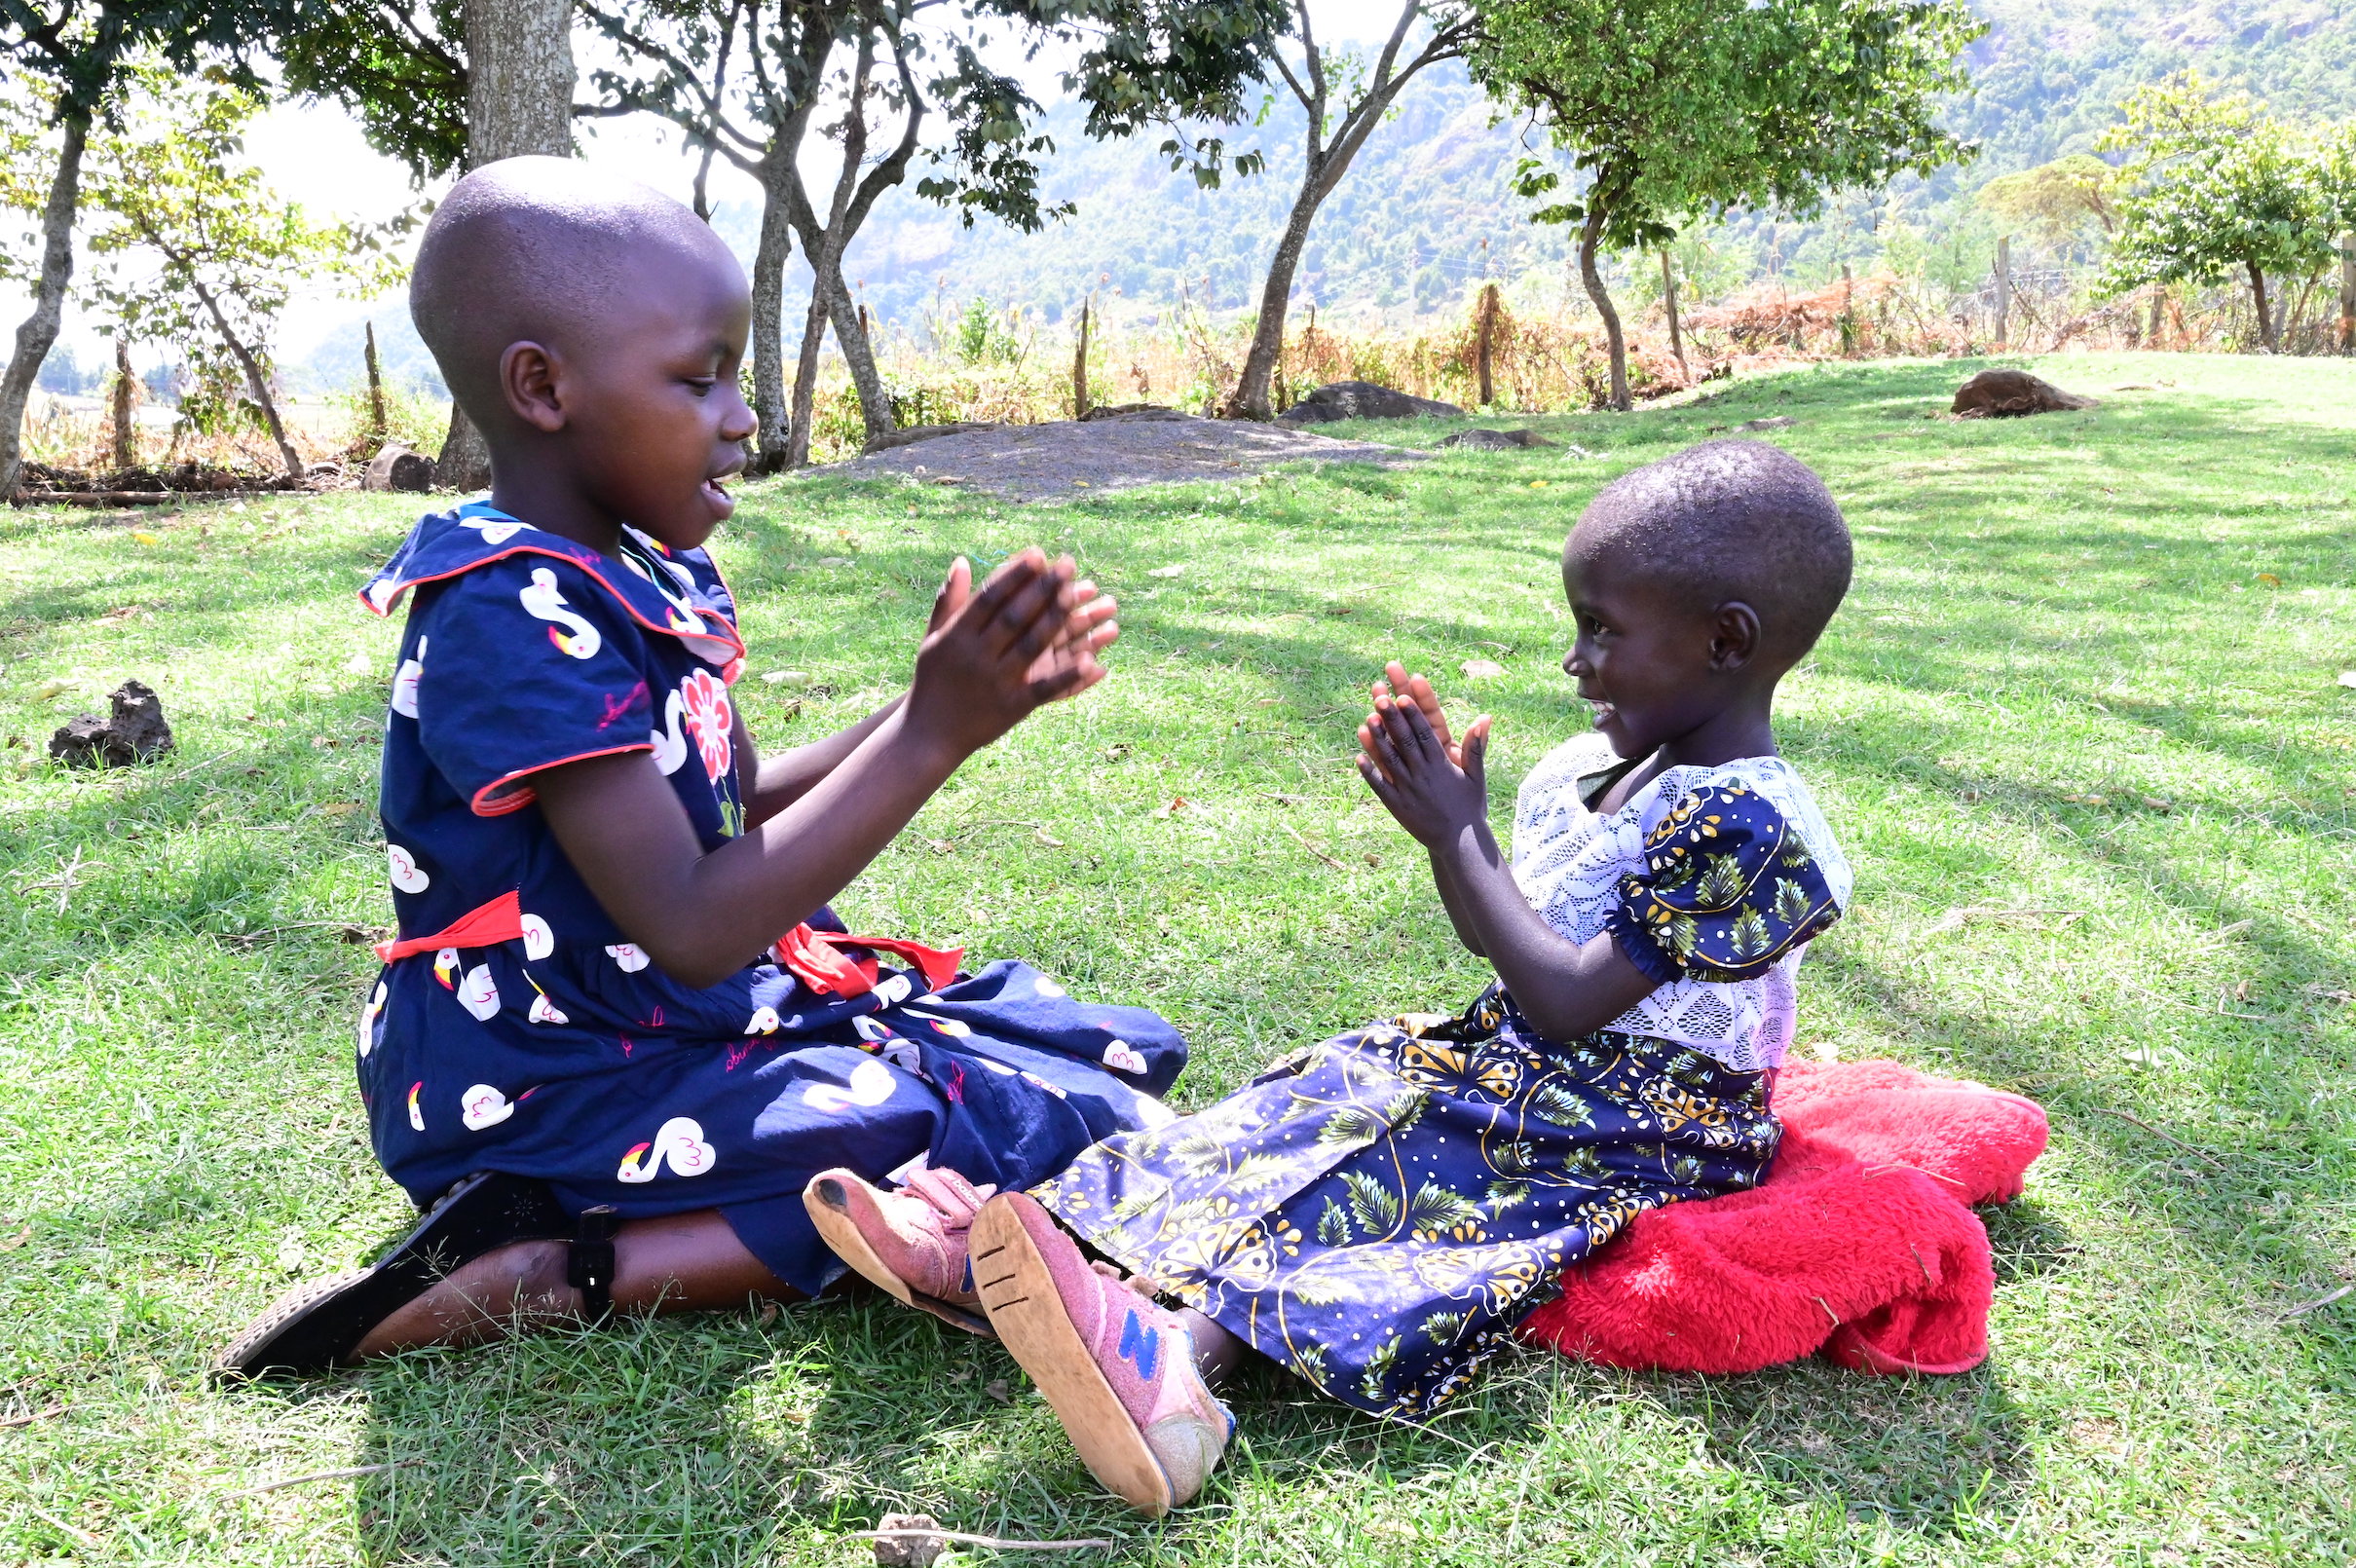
column 816, row 959
column 813, row 956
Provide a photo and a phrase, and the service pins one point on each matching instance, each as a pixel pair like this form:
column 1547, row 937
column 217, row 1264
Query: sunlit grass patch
column 2080, row 726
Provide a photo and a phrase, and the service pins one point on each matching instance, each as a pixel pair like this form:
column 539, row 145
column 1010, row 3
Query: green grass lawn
column 2081, row 725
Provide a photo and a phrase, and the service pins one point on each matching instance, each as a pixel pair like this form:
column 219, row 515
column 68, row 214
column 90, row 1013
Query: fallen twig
column 1956, row 919
column 343, row 1474
column 2164, row 1136
column 994, row 1542
column 11, row 1423
column 1312, row 848
column 197, row 768
column 2316, row 1305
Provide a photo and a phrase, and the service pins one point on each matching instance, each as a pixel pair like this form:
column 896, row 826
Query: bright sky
column 315, row 155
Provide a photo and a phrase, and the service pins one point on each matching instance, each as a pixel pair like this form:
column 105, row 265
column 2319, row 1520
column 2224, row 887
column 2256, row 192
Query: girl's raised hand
column 1407, row 765
column 1027, row 636
column 1413, row 687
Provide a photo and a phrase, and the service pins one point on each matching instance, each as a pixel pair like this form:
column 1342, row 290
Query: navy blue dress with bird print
column 1379, row 1211
column 516, row 1027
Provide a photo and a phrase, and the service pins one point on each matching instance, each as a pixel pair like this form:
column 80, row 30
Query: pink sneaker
column 1118, row 1370
column 911, row 1243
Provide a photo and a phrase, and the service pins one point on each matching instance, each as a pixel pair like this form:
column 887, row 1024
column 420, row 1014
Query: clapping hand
column 992, row 655
column 1434, row 789
column 1399, row 685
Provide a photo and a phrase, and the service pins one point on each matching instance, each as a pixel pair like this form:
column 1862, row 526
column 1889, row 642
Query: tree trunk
column 257, row 382
column 1668, row 292
column 520, row 101
column 1251, row 399
column 851, row 336
column 2257, row 293
column 1588, row 236
column 768, row 324
column 126, row 393
column 377, row 423
column 38, row 332
column 1079, row 368
column 805, row 383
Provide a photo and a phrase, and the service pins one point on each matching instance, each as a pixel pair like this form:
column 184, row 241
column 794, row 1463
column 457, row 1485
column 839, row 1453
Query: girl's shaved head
column 1727, row 521
column 546, row 250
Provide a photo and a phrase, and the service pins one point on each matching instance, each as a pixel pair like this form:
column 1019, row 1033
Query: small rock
column 1773, row 421
column 136, row 734
column 1134, row 414
column 1481, row 669
column 909, row 1551
column 840, row 560
column 1495, row 440
column 996, row 1389
column 397, row 468
column 793, row 677
column 923, row 433
column 2005, row 393
column 1178, row 571
column 1363, row 400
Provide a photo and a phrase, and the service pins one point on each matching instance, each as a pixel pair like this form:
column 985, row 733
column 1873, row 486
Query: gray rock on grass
column 1496, row 440
column 1363, row 400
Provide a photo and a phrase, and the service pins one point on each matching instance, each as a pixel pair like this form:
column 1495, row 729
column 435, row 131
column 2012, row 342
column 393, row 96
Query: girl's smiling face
column 1655, row 665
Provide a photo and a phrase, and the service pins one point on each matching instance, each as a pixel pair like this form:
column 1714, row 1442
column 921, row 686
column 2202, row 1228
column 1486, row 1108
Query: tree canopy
column 2217, row 185
column 1674, row 110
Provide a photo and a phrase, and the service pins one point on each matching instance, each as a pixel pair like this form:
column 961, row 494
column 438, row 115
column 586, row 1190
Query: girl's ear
column 1734, row 640
column 527, row 377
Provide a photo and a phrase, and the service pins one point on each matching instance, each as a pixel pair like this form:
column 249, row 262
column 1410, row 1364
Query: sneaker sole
column 1020, row 1295
column 831, row 1213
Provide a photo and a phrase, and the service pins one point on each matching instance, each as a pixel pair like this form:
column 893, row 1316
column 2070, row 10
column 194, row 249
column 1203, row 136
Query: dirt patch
column 1071, row 457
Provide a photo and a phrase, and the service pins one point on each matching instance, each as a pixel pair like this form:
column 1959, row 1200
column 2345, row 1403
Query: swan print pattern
column 517, row 1029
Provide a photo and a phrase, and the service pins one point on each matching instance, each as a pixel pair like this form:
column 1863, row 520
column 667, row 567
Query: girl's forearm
column 1564, row 988
column 701, row 916
column 1452, row 900
column 786, row 777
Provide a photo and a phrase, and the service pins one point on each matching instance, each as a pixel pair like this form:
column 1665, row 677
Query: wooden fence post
column 2003, row 291
column 1668, row 292
column 126, row 449
column 1079, row 364
column 376, row 387
column 2347, row 292
column 1484, row 328
column 1849, row 312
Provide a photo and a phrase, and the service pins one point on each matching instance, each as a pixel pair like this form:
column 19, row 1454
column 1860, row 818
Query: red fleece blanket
column 1860, row 1243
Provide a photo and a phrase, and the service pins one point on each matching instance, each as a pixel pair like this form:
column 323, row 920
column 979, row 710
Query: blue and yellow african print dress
column 1378, row 1212
column 515, row 1028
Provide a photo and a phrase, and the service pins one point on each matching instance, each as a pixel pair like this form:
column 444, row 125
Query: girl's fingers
column 955, row 590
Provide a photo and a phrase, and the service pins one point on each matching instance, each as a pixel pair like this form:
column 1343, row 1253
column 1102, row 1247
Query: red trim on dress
column 727, row 632
column 524, row 797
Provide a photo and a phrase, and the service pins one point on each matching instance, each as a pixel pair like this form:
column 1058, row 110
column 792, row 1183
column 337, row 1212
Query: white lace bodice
column 1569, row 862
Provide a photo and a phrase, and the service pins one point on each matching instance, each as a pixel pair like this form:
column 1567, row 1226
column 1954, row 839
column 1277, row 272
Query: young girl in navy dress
column 591, row 1046
column 1378, row 1212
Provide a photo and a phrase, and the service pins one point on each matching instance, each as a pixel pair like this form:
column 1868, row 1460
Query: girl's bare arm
column 1014, row 646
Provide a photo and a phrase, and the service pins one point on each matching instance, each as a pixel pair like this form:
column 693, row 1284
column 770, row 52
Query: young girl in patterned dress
column 1377, row 1212
column 590, row 1047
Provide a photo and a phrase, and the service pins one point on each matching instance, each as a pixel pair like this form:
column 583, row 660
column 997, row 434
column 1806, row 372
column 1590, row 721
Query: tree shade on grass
column 2079, row 726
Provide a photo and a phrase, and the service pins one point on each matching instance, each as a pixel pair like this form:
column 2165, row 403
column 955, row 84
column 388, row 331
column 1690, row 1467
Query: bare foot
column 511, row 1288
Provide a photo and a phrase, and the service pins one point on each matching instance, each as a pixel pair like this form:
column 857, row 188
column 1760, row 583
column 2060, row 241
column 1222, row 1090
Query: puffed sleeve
column 1727, row 888
column 526, row 663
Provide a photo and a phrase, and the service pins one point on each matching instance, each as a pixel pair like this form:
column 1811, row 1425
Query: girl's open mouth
column 717, row 494
column 1605, row 713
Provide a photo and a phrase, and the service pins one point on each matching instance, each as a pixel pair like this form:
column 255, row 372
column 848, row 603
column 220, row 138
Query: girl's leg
column 690, row 1262
column 1218, row 1354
